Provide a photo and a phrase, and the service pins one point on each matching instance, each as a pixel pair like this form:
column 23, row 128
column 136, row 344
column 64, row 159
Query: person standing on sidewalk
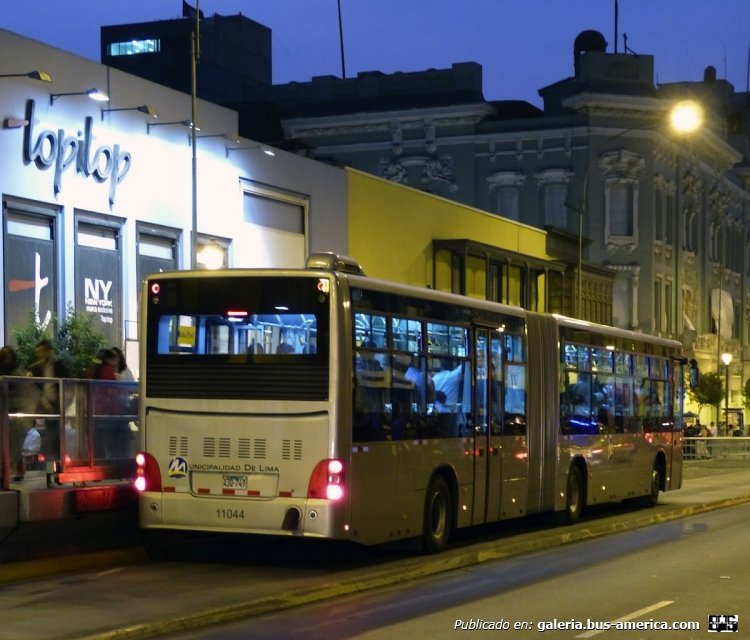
column 710, row 433
column 701, row 447
column 48, row 366
column 21, row 399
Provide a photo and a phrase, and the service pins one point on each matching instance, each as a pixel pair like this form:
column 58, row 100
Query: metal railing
column 731, row 448
column 75, row 430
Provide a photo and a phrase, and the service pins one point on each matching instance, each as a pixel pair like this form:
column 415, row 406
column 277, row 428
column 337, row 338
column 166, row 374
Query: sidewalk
column 693, row 469
column 707, row 486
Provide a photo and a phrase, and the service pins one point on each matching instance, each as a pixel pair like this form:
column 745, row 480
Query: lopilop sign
column 60, row 150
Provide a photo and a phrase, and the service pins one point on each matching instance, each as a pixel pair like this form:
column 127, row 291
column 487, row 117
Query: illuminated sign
column 186, row 336
column 59, row 150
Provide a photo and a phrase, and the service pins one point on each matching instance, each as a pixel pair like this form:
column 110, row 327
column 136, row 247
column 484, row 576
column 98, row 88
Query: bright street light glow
column 211, row 256
column 686, row 116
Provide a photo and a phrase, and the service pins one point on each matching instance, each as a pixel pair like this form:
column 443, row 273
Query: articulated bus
column 320, row 402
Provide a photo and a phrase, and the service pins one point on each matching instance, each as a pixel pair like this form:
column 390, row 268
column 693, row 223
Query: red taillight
column 327, row 480
column 147, row 474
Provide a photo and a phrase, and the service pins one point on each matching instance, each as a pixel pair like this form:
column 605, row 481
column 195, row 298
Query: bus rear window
column 238, row 337
column 238, row 316
column 237, row 332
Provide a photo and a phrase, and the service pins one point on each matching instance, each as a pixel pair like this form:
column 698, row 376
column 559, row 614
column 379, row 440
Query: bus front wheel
column 438, row 516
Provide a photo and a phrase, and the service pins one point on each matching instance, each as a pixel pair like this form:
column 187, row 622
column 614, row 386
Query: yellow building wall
column 391, row 229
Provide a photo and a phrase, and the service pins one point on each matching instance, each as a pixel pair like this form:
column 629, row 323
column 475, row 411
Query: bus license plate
column 234, row 482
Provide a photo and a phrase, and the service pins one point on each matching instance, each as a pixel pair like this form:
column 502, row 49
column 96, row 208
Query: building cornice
column 369, row 122
column 650, row 111
column 616, row 104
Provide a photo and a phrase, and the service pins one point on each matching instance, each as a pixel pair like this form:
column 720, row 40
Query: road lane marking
column 101, row 574
column 630, row 616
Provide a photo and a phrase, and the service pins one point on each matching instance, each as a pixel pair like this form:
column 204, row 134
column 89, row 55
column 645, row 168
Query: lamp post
column 194, row 58
column 684, row 117
column 726, row 358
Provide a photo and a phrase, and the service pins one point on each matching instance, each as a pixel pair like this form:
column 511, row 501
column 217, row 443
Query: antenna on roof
column 627, row 48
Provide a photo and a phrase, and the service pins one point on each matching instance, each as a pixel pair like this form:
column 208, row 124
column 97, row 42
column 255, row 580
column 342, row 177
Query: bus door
column 487, row 426
column 678, row 399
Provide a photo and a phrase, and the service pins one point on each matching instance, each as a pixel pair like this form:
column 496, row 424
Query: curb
column 30, row 569
column 421, row 567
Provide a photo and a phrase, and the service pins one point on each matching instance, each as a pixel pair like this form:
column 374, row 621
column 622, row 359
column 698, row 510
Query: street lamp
column 93, row 93
column 726, row 358
column 34, row 75
column 684, row 117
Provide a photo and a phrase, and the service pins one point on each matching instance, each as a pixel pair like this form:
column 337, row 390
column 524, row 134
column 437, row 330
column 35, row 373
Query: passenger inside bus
column 602, row 400
column 286, row 343
column 576, row 405
column 440, row 405
column 453, row 393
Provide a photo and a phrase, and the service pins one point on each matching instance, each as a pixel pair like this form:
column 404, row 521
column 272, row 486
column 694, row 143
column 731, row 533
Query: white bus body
column 322, row 403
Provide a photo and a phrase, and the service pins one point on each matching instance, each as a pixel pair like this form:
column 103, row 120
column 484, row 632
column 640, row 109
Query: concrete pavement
column 707, row 485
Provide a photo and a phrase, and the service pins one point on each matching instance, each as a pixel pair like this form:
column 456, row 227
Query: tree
column 746, row 394
column 709, row 391
column 79, row 343
column 28, row 336
column 76, row 341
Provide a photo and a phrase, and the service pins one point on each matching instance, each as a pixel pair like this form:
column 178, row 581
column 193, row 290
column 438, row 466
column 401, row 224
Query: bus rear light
column 327, row 480
column 147, row 473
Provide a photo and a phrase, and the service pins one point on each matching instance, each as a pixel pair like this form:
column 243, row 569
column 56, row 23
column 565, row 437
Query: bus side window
column 603, row 400
column 514, row 423
column 371, row 386
column 401, row 393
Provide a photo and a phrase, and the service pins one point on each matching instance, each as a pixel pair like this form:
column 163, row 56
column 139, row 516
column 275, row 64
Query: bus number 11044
column 230, row 514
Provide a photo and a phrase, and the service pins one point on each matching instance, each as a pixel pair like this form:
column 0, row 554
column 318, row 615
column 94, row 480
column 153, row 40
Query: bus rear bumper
column 280, row 516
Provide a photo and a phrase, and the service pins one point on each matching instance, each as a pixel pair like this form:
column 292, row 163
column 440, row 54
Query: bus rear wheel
column 438, row 516
column 651, row 499
column 574, row 497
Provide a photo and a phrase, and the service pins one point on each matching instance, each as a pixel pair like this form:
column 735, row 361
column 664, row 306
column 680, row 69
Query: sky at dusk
column 522, row 45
